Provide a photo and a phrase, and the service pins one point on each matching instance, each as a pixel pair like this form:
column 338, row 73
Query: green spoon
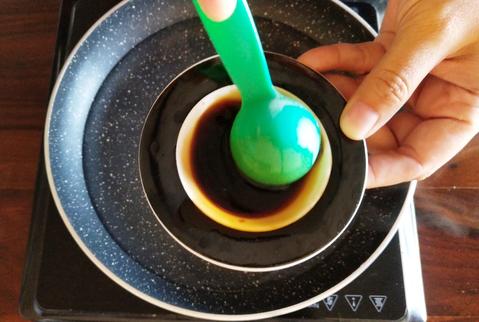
column 274, row 139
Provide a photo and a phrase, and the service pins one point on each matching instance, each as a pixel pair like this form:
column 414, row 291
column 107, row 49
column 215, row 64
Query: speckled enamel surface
column 101, row 102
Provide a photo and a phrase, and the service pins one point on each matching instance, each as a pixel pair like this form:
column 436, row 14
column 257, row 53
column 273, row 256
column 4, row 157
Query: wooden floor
column 448, row 202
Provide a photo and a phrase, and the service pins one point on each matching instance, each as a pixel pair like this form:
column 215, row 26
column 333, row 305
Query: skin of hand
column 413, row 92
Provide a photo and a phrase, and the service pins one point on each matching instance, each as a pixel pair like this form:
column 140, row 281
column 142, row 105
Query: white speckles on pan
column 93, row 128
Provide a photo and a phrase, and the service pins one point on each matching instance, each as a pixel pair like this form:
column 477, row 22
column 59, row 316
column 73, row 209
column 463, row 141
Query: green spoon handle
column 237, row 42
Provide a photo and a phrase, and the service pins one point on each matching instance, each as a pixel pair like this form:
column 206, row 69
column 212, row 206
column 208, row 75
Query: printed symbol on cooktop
column 378, row 301
column 353, row 301
column 330, row 301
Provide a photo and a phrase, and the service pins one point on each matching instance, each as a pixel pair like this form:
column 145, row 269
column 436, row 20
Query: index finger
column 357, row 58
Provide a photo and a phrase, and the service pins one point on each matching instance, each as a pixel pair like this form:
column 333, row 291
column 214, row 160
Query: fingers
column 429, row 146
column 393, row 78
column 217, row 10
column 358, row 58
column 402, row 124
column 442, row 99
column 391, row 167
column 382, row 140
column 394, row 133
column 344, row 84
column 389, row 85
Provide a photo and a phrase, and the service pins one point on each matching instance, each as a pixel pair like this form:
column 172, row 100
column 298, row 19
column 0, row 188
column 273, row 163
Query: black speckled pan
column 96, row 114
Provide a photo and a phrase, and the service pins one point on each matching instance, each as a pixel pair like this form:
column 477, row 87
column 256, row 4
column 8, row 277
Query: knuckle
column 338, row 50
column 363, row 57
column 391, row 86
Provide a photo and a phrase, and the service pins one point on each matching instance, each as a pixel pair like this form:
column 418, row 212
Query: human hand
column 427, row 57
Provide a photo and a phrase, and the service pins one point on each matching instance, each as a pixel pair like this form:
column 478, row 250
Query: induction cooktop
column 61, row 284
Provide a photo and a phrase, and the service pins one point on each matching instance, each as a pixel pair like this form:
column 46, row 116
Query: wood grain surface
column 447, row 202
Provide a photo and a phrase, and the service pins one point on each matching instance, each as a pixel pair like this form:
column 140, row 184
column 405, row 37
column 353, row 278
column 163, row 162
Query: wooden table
column 447, row 203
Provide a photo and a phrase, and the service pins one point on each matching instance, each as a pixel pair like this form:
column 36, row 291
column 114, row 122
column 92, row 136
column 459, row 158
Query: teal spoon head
column 276, row 141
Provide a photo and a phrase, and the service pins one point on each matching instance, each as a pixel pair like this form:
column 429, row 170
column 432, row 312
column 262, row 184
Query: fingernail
column 357, row 120
column 218, row 10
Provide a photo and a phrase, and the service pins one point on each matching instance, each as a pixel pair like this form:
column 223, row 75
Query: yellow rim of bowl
column 311, row 191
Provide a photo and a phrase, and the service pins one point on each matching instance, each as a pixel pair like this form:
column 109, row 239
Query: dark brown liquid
column 216, row 173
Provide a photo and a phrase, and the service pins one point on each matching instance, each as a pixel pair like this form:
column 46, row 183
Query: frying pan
column 98, row 107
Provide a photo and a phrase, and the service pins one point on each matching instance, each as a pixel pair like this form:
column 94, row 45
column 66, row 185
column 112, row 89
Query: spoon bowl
column 275, row 142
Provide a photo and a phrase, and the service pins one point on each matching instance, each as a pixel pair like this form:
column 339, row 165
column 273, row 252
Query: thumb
column 217, row 10
column 390, row 83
